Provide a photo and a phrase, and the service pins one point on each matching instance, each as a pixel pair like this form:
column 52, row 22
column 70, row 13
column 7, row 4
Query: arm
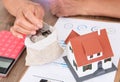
column 13, row 5
column 109, row 8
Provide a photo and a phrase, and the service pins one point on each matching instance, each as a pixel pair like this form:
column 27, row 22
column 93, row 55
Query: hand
column 67, row 7
column 28, row 19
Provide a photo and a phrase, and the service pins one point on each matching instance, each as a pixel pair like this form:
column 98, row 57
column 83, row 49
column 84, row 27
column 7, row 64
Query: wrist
column 13, row 5
column 91, row 7
column 22, row 4
column 108, row 8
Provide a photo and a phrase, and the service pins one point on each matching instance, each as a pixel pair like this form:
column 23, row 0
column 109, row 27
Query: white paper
column 58, row 70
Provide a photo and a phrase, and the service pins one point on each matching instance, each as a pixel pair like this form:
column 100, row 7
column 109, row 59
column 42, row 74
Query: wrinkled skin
column 67, row 7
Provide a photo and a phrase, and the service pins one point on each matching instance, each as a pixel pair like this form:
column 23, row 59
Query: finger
column 58, row 14
column 33, row 19
column 21, row 30
column 54, row 10
column 61, row 14
column 19, row 35
column 25, row 24
column 56, row 7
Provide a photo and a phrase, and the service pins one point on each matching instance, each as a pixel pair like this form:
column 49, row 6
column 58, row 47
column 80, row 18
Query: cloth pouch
column 44, row 51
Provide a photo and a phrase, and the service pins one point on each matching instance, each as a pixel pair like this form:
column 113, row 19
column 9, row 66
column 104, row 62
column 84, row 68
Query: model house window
column 107, row 60
column 74, row 64
column 87, row 67
column 71, row 49
column 98, row 54
column 91, row 56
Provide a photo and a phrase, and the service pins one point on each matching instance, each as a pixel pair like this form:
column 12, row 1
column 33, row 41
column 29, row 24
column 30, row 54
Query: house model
column 89, row 55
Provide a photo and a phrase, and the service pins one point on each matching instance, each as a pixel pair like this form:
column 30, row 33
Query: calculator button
column 10, row 46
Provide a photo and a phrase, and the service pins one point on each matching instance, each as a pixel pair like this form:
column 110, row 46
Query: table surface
column 6, row 20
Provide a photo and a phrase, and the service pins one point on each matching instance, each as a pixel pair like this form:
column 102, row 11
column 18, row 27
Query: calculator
column 11, row 48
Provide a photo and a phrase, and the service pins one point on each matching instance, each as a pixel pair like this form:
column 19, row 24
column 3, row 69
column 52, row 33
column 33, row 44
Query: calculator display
column 5, row 64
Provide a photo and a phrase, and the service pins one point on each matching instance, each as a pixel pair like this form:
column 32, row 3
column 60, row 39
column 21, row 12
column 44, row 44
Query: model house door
column 100, row 70
column 100, row 65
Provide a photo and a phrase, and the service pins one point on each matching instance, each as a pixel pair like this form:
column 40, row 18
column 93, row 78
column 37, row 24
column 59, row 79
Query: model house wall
column 107, row 63
column 80, row 70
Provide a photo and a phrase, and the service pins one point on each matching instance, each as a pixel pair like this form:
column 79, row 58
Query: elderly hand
column 28, row 19
column 67, row 7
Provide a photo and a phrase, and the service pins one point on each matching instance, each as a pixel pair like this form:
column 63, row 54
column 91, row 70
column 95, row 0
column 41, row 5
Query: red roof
column 88, row 44
column 72, row 35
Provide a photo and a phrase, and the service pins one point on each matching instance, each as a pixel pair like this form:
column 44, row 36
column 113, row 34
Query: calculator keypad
column 10, row 46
